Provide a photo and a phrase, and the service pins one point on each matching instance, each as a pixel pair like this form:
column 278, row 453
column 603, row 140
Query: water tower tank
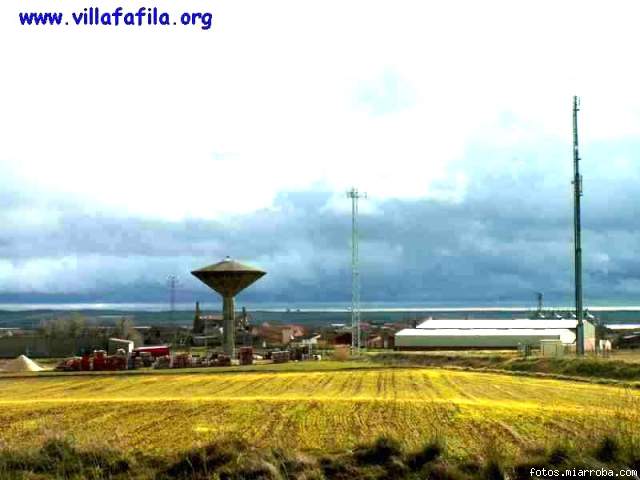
column 228, row 278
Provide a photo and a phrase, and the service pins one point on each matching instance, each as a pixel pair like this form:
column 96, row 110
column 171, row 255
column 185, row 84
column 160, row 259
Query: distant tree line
column 76, row 326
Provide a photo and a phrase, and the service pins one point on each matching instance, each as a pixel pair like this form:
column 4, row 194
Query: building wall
column 464, row 342
column 421, row 338
column 287, row 333
column 37, row 346
column 589, row 330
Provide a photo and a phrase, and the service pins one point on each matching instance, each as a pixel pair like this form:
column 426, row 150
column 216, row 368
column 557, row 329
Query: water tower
column 228, row 278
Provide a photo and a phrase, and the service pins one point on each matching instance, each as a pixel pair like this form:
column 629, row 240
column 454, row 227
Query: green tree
column 125, row 329
column 63, row 327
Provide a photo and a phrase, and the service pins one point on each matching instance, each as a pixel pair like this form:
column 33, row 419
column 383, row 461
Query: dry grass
column 321, row 410
column 590, row 367
column 626, row 355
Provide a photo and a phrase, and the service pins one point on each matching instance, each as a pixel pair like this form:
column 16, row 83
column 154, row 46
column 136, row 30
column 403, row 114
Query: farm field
column 310, row 410
column 325, row 365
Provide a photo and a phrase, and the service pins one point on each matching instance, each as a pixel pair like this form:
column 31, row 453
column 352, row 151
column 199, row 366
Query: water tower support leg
column 229, row 334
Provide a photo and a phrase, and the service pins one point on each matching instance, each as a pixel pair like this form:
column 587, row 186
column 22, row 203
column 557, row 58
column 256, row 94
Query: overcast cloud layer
column 129, row 156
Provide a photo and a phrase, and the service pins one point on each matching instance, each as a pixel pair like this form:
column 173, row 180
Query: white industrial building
column 490, row 334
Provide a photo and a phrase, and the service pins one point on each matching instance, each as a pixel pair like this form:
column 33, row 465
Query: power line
column 354, row 195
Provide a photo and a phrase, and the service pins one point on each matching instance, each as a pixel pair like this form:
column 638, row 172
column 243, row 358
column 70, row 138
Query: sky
column 133, row 153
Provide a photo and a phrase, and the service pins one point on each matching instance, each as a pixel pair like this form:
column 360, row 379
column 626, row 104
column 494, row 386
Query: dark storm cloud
column 509, row 237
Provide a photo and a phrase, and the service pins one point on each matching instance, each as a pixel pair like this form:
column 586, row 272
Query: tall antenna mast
column 354, row 195
column 540, row 297
column 577, row 193
column 172, row 281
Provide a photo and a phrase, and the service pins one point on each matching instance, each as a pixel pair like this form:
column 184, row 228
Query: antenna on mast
column 172, row 282
column 540, row 297
column 354, row 195
column 577, row 193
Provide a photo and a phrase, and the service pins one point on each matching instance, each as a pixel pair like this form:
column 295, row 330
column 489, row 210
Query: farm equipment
column 98, row 361
column 154, row 350
column 186, row 360
column 73, row 364
column 157, row 357
column 85, row 362
column 280, row 356
column 181, row 360
column 223, row 360
column 146, row 358
column 162, row 362
column 245, row 355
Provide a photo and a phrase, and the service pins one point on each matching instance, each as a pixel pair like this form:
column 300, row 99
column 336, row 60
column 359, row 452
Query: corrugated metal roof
column 623, row 326
column 515, row 324
column 566, row 335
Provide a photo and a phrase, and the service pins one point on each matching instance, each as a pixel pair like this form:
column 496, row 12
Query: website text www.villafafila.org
column 97, row 16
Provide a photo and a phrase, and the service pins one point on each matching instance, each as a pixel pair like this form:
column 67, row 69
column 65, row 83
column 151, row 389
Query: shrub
column 608, row 450
column 59, row 459
column 341, row 353
column 199, row 463
column 339, row 468
column 252, row 468
column 493, row 470
column 381, row 452
column 429, row 453
column 443, row 471
column 559, row 454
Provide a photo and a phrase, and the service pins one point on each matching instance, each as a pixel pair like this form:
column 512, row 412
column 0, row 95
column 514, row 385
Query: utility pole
column 354, row 195
column 577, row 193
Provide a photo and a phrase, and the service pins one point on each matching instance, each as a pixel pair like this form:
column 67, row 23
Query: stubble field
column 311, row 410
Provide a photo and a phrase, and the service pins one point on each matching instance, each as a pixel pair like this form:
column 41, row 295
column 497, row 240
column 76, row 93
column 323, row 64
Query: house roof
column 566, row 335
column 309, row 336
column 499, row 324
column 623, row 326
